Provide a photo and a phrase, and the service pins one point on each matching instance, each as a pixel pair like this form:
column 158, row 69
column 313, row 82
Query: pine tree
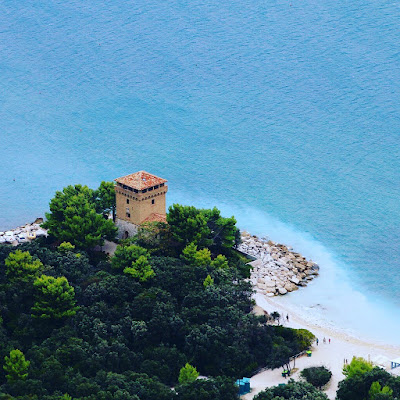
column 141, row 269
column 21, row 266
column 55, row 298
column 73, row 218
column 124, row 256
column 208, row 281
column 188, row 374
column 15, row 366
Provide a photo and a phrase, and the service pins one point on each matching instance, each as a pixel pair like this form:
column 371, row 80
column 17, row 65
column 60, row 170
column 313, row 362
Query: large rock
column 282, row 290
column 290, row 287
column 295, row 280
column 256, row 263
column 269, row 283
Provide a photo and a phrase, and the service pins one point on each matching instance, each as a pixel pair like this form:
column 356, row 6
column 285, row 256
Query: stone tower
column 140, row 197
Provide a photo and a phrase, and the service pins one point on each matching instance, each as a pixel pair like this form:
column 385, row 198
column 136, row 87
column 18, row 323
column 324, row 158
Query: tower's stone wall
column 125, row 229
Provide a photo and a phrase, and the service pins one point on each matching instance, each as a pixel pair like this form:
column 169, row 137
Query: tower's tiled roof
column 155, row 217
column 140, row 180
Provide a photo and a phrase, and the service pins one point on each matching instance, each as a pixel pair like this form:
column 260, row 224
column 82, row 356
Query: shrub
column 317, row 376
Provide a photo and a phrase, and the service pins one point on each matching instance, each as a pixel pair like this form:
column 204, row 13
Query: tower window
column 128, row 215
column 127, row 201
column 152, row 202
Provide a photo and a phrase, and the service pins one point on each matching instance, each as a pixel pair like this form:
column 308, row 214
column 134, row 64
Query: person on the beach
column 324, row 340
column 317, row 341
column 329, row 340
column 287, row 317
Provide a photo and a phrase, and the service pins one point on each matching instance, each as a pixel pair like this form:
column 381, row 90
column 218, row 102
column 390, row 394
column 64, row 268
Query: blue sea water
column 285, row 113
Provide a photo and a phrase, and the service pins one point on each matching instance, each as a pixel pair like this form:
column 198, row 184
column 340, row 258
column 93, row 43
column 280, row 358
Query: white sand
column 331, row 355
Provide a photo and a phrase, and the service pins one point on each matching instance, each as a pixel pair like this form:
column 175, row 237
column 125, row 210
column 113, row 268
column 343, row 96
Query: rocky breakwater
column 277, row 269
column 24, row 233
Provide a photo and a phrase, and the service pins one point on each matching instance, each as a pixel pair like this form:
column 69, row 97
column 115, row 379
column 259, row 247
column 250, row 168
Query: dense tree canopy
column 357, row 367
column 363, row 385
column 93, row 329
column 317, row 376
column 202, row 227
column 20, row 265
column 15, row 366
column 125, row 256
column 292, row 391
column 105, row 199
column 73, row 218
column 55, row 298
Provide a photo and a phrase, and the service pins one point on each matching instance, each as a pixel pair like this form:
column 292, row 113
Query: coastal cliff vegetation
column 82, row 325
column 167, row 316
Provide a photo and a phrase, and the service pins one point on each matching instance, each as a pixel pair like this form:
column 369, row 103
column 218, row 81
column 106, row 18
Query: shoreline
column 331, row 354
column 24, row 233
column 331, row 301
column 277, row 268
column 344, row 342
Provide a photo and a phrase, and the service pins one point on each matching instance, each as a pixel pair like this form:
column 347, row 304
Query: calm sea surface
column 285, row 113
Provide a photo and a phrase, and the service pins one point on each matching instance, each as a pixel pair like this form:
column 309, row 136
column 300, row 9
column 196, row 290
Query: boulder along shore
column 277, row 269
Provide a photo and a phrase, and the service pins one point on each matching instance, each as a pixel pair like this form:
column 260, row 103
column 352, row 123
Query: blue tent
column 244, row 385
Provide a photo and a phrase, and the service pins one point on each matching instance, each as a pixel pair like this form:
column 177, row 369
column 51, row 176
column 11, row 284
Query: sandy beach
column 332, row 355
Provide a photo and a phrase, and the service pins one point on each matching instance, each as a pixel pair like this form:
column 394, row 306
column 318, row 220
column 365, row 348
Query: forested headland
column 173, row 302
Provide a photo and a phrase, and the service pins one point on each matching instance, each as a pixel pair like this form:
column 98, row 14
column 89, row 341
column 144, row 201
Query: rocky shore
column 277, row 269
column 24, row 233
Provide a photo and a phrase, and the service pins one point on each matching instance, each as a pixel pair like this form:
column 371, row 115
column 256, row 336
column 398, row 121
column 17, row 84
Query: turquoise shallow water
column 285, row 113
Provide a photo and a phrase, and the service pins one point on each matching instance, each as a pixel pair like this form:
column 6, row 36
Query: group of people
column 324, row 340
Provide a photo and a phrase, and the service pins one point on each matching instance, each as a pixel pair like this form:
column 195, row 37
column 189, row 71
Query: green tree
column 189, row 252
column 202, row 258
column 220, row 262
column 105, row 199
column 65, row 247
column 304, row 338
column 376, row 389
column 141, row 269
column 317, row 376
column 223, row 230
column 73, row 218
column 66, row 397
column 188, row 225
column 357, row 367
column 188, row 374
column 199, row 258
column 358, row 385
column 124, row 256
column 292, row 391
column 21, row 266
column 219, row 388
column 55, row 298
column 154, row 236
column 15, row 366
column 208, row 281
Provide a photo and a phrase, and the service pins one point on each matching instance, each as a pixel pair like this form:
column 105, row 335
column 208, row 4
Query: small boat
column 31, row 235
